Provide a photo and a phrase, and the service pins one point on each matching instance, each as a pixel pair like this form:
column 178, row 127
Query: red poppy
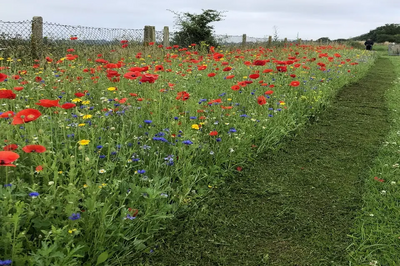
column 10, row 147
column 227, row 69
column 218, row 56
column 48, row 103
column 39, row 168
column 16, row 77
column 132, row 75
column 235, row 87
column 7, row 94
column 34, row 148
column 259, row 62
column 254, row 76
column 7, row 114
column 294, row 83
column 25, row 116
column 268, row 92
column 267, row 70
column 281, row 68
column 230, row 77
column 261, row 100
column 79, row 94
column 124, row 41
column 18, row 88
column 68, row 105
column 150, row 78
column 159, row 68
column 292, row 75
column 7, row 157
column 3, row 77
column 211, row 75
column 38, row 79
column 213, row 133
column 182, row 95
column 73, row 38
column 239, row 168
column 48, row 59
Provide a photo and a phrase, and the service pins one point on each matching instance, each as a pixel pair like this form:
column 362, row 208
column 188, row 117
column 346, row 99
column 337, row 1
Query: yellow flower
column 112, row 89
column 195, row 126
column 71, row 230
column 84, row 142
column 244, row 77
column 229, row 99
column 86, row 102
column 76, row 100
column 85, row 186
column 82, row 125
column 87, row 116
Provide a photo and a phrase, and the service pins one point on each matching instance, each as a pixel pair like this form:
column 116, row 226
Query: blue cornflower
column 34, row 194
column 176, row 118
column 160, row 139
column 102, row 156
column 218, row 139
column 187, row 142
column 75, row 216
column 5, row 262
column 99, row 147
column 141, row 171
column 7, row 185
column 130, row 217
column 148, row 121
column 193, row 117
column 232, row 130
column 244, row 115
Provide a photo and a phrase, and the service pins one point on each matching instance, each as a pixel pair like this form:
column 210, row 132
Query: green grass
column 297, row 204
column 377, row 227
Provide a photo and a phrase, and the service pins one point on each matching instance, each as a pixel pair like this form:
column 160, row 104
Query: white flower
column 393, row 183
column 51, row 183
column 102, row 171
column 383, row 192
column 371, row 214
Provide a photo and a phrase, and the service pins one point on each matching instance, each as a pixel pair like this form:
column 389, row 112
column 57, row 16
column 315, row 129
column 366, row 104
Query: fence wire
column 15, row 37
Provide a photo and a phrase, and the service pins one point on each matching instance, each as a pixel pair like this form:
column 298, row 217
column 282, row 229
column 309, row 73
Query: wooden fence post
column 166, row 37
column 37, row 37
column 244, row 40
column 149, row 35
column 269, row 40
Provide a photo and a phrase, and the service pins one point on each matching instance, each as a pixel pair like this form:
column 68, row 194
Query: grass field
column 109, row 157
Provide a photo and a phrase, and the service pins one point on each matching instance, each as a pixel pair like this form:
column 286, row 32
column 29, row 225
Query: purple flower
column 5, row 262
column 148, row 121
column 34, row 194
column 187, row 142
column 75, row 216
column 130, row 217
column 141, row 171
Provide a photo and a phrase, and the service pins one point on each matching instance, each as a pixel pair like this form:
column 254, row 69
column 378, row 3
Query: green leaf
column 102, row 257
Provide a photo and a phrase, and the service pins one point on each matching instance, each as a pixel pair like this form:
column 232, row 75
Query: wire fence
column 16, row 38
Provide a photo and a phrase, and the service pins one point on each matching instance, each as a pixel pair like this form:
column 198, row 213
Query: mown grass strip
column 296, row 206
column 377, row 227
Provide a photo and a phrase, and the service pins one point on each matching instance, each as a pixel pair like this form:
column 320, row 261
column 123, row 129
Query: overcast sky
column 306, row 19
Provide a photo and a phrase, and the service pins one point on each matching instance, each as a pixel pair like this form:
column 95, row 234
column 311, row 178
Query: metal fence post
column 37, row 37
column 166, row 37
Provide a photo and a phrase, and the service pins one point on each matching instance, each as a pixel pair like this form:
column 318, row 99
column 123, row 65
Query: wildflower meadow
column 101, row 147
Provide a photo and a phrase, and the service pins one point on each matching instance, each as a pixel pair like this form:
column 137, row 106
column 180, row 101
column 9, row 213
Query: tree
column 196, row 28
